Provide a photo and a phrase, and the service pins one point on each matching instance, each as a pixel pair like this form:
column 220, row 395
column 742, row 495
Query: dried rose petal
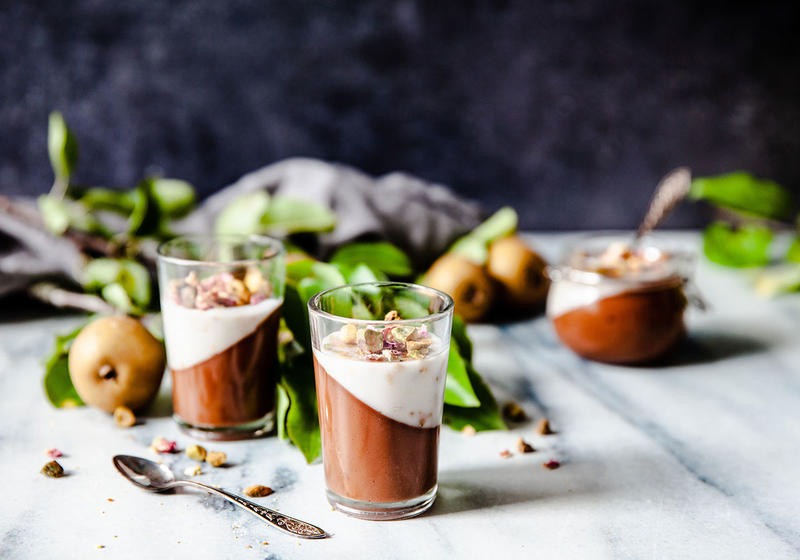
column 505, row 453
column 552, row 464
column 54, row 453
column 163, row 445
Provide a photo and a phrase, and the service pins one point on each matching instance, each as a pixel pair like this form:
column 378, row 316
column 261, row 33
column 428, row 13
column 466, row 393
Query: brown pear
column 466, row 282
column 519, row 271
column 115, row 361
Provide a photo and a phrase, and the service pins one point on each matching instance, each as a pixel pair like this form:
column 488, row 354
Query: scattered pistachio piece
column 163, row 445
column 349, row 333
column 196, row 452
column 543, row 427
column 124, row 417
column 393, row 315
column 524, row 447
column 192, row 470
column 468, row 430
column 53, row 470
column 216, row 458
column 413, row 345
column 258, row 491
column 373, row 340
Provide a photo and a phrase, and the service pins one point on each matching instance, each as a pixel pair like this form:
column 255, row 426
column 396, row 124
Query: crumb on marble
column 53, row 469
column 543, row 427
column 258, row 491
column 523, row 446
column 54, row 453
column 109, row 499
column 468, row 430
column 124, row 417
column 216, row 458
column 101, row 546
column 552, row 464
column 505, row 453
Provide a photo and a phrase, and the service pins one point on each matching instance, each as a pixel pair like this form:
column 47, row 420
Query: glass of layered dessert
column 221, row 299
column 380, row 360
column 613, row 301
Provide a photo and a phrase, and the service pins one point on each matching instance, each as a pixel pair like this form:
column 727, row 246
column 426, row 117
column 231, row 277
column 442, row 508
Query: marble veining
column 696, row 457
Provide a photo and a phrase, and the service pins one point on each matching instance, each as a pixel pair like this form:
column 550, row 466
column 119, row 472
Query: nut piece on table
column 192, row 470
column 552, row 464
column 196, row 452
column 216, row 458
column 53, row 470
column 505, row 454
column 543, row 427
column 163, row 445
column 524, row 447
column 124, row 417
column 468, row 430
column 258, row 491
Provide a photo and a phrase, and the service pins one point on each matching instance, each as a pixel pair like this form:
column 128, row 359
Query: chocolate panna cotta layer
column 368, row 456
column 233, row 387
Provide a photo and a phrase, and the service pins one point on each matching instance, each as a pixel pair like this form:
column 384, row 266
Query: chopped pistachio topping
column 223, row 289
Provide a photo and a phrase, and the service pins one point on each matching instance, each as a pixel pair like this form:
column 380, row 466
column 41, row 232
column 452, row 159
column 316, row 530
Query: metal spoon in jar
column 153, row 477
column 669, row 191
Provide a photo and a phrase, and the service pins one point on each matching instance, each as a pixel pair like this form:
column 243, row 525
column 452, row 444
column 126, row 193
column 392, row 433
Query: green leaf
column 474, row 245
column 285, row 216
column 297, row 270
column 62, row 147
column 295, row 313
column 281, row 411
column 472, row 249
column 484, row 417
column 381, row 256
column 175, row 198
column 57, row 383
column 145, row 218
column 458, row 389
column 132, row 276
column 243, row 215
column 745, row 247
column 745, row 193
column 793, row 254
column 460, row 337
column 501, row 223
column 101, row 198
column 116, row 295
column 61, row 214
column 363, row 273
column 302, row 421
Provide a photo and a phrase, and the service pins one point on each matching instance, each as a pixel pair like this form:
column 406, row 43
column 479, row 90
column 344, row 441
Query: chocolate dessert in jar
column 380, row 361
column 612, row 301
column 221, row 300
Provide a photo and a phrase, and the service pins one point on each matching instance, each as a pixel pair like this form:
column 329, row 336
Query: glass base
column 386, row 511
column 257, row 428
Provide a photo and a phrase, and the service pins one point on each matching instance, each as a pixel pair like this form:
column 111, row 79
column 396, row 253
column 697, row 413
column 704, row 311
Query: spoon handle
column 285, row 523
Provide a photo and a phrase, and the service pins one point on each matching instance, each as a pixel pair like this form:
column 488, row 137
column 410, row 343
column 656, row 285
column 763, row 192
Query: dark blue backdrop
column 568, row 110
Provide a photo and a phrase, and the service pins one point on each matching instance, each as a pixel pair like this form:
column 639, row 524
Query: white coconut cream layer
column 410, row 392
column 192, row 335
column 565, row 296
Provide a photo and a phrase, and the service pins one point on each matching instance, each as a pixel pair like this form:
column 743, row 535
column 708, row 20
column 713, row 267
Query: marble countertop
column 699, row 458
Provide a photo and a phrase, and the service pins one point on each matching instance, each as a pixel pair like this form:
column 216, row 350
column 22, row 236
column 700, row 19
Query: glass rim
column 271, row 242
column 313, row 303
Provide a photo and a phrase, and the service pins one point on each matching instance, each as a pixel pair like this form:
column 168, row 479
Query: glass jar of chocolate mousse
column 221, row 299
column 613, row 301
column 380, row 362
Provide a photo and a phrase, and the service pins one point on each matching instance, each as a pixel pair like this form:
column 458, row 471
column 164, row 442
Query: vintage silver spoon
column 670, row 190
column 151, row 476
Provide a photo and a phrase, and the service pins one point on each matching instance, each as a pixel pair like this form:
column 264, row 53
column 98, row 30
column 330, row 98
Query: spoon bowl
column 144, row 473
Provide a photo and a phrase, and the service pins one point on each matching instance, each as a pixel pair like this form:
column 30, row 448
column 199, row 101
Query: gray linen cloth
column 420, row 217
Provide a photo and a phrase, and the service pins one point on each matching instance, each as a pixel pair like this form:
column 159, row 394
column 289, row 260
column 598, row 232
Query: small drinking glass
column 221, row 299
column 380, row 361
